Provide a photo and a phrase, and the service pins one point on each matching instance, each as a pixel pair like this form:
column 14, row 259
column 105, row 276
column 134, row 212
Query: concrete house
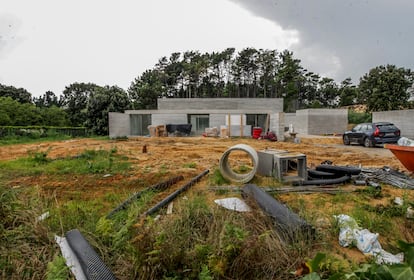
column 238, row 115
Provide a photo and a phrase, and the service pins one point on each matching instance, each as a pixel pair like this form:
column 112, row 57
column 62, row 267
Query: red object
column 405, row 155
column 376, row 132
column 257, row 131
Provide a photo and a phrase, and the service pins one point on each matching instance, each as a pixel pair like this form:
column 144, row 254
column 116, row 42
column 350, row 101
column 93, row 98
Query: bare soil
column 174, row 155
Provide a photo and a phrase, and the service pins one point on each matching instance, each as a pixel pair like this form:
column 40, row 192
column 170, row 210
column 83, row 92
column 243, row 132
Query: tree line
column 249, row 73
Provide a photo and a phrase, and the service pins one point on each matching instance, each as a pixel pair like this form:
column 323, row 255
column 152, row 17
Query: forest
column 249, row 73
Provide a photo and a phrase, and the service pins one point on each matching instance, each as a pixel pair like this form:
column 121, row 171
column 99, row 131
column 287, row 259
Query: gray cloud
column 9, row 39
column 344, row 38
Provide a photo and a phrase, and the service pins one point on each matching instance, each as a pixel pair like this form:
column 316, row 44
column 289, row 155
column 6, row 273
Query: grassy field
column 199, row 240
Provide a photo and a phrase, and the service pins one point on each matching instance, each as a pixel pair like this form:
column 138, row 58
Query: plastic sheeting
column 367, row 242
column 233, row 203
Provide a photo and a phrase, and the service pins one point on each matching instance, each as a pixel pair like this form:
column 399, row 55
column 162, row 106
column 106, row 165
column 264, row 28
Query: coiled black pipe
column 340, row 170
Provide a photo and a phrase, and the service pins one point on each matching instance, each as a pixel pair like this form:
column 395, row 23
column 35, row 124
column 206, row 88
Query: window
column 139, row 124
column 199, row 123
column 257, row 120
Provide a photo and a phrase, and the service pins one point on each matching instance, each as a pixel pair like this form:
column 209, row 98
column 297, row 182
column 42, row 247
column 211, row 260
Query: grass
column 88, row 162
column 13, row 140
column 25, row 246
column 199, row 240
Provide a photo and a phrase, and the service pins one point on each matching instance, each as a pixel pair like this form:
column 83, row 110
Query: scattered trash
column 233, row 203
column 170, row 208
column 107, row 175
column 144, row 149
column 367, row 242
column 404, row 141
column 43, row 216
column 398, row 201
column 410, row 212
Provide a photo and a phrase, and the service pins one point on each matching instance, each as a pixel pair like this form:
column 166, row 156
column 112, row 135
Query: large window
column 256, row 120
column 199, row 123
column 139, row 124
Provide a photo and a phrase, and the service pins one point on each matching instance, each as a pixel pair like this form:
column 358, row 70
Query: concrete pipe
column 229, row 174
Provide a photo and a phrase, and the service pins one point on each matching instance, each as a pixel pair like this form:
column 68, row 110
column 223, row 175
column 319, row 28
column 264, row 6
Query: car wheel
column 367, row 142
column 346, row 140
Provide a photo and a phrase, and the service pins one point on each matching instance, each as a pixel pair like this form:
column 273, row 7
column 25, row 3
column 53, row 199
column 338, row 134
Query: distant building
column 239, row 115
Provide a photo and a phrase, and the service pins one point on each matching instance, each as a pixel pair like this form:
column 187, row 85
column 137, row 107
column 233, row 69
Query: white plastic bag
column 367, row 242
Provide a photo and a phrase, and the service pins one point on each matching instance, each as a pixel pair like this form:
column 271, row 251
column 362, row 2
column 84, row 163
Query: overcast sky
column 48, row 44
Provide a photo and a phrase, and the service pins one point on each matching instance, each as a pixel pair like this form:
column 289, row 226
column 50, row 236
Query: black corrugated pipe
column 334, row 181
column 340, row 170
column 315, row 174
column 158, row 187
column 172, row 196
column 288, row 223
column 91, row 264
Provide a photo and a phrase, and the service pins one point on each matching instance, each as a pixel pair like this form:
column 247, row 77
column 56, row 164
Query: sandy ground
column 206, row 152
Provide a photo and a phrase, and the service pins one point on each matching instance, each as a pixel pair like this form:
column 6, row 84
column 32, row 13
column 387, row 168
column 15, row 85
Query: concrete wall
column 267, row 104
column 217, row 120
column 119, row 125
column 290, row 119
column 321, row 121
column 277, row 125
column 403, row 119
column 301, row 123
column 171, row 118
column 176, row 110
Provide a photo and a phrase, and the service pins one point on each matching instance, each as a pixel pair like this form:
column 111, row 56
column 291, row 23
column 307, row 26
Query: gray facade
column 210, row 112
column 318, row 121
column 403, row 119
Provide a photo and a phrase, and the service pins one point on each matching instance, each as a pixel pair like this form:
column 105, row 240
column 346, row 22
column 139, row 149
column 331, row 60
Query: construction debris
column 288, row 223
column 172, row 196
column 388, row 176
column 81, row 258
column 350, row 234
column 233, row 203
column 158, row 187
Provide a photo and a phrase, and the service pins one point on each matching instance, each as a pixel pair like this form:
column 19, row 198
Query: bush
column 356, row 117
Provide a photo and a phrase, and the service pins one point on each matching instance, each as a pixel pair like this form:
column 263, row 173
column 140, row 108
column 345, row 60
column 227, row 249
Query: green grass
column 12, row 140
column 88, row 162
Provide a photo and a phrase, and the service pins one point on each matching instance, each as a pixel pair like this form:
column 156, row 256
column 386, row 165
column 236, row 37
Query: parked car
column 372, row 134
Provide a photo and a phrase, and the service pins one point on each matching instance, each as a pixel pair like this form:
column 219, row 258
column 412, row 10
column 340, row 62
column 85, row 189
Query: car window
column 387, row 127
column 357, row 128
column 364, row 127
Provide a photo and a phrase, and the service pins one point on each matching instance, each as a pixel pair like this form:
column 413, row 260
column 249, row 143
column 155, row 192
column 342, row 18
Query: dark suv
column 371, row 134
